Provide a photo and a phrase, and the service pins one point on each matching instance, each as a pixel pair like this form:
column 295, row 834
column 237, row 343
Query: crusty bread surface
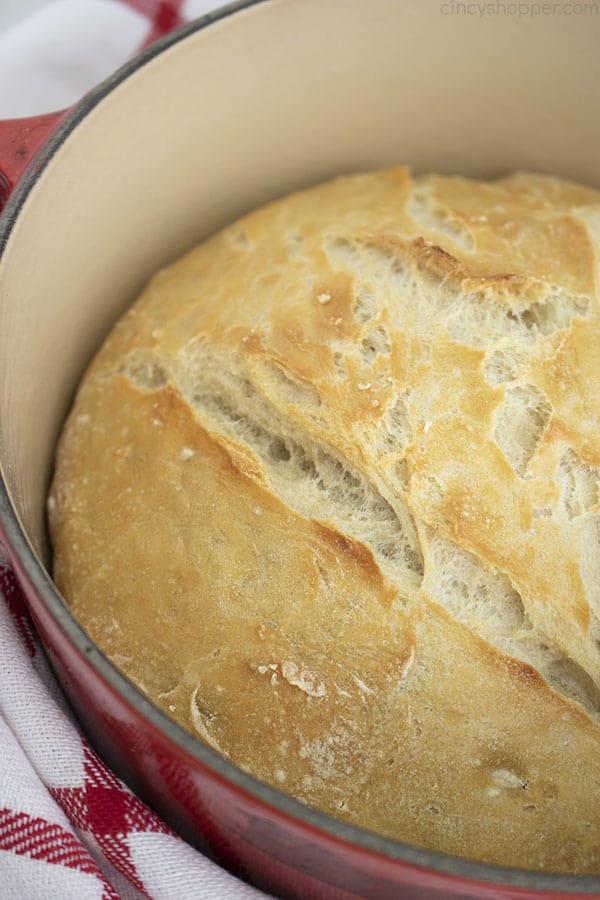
column 329, row 494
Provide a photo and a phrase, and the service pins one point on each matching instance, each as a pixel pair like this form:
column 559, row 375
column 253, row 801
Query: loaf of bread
column 329, row 494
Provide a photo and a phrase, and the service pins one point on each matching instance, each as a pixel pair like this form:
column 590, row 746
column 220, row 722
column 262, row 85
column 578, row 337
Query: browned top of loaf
column 329, row 494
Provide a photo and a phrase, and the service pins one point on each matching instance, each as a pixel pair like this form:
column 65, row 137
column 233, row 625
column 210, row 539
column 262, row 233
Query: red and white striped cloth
column 69, row 829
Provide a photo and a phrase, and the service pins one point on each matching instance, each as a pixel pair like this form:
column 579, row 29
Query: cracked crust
column 329, row 494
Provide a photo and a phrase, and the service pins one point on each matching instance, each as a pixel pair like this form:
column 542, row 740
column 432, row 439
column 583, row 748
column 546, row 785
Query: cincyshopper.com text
column 520, row 10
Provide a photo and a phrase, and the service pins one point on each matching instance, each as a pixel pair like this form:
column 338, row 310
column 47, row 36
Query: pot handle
column 21, row 138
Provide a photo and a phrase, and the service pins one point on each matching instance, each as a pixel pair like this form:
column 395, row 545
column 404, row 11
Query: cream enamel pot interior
column 226, row 113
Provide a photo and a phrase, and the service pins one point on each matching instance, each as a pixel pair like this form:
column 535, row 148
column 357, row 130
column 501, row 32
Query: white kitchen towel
column 69, row 829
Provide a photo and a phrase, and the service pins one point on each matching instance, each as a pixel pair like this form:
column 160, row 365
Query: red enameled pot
column 217, row 117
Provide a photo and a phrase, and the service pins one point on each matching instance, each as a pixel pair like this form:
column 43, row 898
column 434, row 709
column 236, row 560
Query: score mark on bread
column 368, row 522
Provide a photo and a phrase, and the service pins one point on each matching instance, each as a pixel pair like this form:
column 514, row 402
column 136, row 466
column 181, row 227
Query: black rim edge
column 430, row 860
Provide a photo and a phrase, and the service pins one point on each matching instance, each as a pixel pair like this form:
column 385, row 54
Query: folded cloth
column 69, row 829
column 50, row 59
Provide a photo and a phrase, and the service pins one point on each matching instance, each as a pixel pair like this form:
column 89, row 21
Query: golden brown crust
column 352, row 447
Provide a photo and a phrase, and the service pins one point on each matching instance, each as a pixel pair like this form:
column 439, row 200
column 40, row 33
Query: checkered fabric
column 69, row 829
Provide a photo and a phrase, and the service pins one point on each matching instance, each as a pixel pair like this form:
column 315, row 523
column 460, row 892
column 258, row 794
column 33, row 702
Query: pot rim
column 18, row 544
